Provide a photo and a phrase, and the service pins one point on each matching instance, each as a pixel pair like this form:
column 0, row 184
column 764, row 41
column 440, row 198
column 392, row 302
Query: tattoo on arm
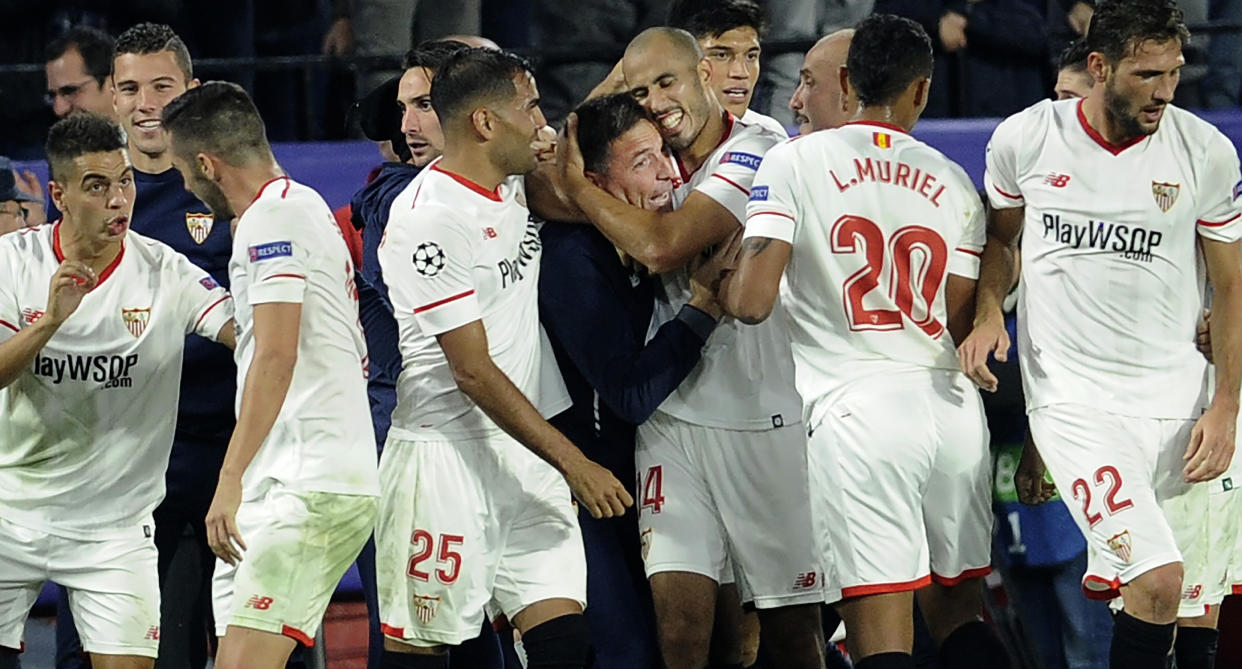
column 753, row 246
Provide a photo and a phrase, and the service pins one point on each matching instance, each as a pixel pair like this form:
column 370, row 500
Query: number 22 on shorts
column 424, row 545
column 1106, row 475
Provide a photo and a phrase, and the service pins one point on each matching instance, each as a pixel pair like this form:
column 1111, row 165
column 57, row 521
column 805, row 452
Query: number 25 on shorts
column 1104, row 476
column 424, row 545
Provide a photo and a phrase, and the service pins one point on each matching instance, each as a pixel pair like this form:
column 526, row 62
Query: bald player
column 823, row 98
column 722, row 461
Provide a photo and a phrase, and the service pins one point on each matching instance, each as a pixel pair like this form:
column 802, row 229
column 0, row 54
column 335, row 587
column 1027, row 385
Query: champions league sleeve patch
column 759, row 194
column 744, row 159
column 271, row 250
column 1237, row 190
column 208, row 283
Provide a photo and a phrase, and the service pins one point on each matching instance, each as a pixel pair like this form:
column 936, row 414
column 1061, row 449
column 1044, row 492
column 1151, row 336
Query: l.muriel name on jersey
column 110, row 370
column 1133, row 242
column 892, row 173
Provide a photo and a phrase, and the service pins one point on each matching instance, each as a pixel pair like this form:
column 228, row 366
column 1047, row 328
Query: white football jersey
column 454, row 253
column 287, row 248
column 752, row 117
column 877, row 220
column 87, row 429
column 743, row 380
column 1112, row 281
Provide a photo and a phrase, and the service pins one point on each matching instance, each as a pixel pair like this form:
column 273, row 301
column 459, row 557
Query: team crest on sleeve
column 1120, row 544
column 136, row 320
column 759, row 194
column 1165, row 194
column 428, row 259
column 270, row 250
column 199, row 225
column 744, row 159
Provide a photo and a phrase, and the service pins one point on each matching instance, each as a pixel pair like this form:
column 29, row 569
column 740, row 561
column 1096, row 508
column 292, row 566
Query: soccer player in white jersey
column 872, row 239
column 729, row 32
column 476, row 508
column 723, row 460
column 1121, row 200
column 296, row 497
column 92, row 332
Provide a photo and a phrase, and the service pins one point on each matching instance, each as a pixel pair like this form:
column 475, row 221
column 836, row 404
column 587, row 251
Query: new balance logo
column 259, row 603
column 489, row 233
column 805, row 580
column 1057, row 180
column 153, row 633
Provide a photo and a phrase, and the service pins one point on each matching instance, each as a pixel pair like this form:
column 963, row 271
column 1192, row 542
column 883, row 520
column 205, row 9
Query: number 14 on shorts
column 448, row 561
column 651, row 485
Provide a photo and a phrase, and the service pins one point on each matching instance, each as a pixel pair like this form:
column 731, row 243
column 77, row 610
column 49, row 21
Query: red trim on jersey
column 103, row 276
column 493, row 195
column 880, row 124
column 951, row 581
column 262, row 188
column 731, row 183
column 1008, row 195
column 772, row 213
column 1112, row 589
column 977, row 254
column 205, row 311
column 297, row 635
column 1237, row 589
column 284, row 276
column 445, row 301
column 1099, row 139
column 9, row 325
column 389, row 630
column 728, row 131
column 884, row 588
column 1227, row 221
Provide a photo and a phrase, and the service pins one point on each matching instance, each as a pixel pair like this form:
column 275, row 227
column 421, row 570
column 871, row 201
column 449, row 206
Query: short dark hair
column 146, row 38
column 95, row 46
column 431, row 54
column 713, row 18
column 217, row 118
column 471, row 75
column 1074, row 57
column 1118, row 27
column 600, row 122
column 77, row 135
column 887, row 54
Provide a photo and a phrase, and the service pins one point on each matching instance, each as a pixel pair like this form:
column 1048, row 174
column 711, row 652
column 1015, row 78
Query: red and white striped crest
column 1120, row 544
column 1165, row 194
column 425, row 608
column 199, row 226
column 136, row 320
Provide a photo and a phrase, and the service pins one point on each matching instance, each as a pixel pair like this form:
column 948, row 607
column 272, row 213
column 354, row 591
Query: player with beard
column 295, row 500
column 822, row 99
column 729, row 32
column 596, row 308
column 476, row 508
column 91, row 345
column 1117, row 193
column 723, row 460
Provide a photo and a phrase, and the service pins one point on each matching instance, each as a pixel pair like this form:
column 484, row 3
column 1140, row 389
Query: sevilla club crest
column 425, row 608
column 199, row 225
column 1120, row 544
column 1165, row 194
column 136, row 320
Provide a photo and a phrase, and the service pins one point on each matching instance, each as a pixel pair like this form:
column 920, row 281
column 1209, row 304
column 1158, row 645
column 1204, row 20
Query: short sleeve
column 206, row 305
column 10, row 310
column 278, row 250
column 1219, row 195
column 772, row 211
column 1000, row 177
column 964, row 260
column 428, row 260
column 732, row 175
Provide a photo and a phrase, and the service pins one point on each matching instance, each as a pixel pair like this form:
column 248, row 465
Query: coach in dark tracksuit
column 596, row 311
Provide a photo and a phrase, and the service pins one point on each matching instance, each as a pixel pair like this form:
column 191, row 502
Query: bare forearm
column 639, row 233
column 267, row 383
column 18, row 352
column 996, row 270
column 496, row 395
column 1226, row 327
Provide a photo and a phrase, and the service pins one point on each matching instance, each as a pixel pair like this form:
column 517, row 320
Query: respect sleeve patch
column 271, row 250
column 744, row 159
column 759, row 194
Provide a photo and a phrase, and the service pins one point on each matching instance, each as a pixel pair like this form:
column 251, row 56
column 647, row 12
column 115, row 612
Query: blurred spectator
column 800, row 20
column 589, row 27
column 819, row 102
column 1073, row 79
column 1003, row 47
column 1222, row 86
column 434, row 20
column 17, row 202
column 292, row 106
column 79, row 72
